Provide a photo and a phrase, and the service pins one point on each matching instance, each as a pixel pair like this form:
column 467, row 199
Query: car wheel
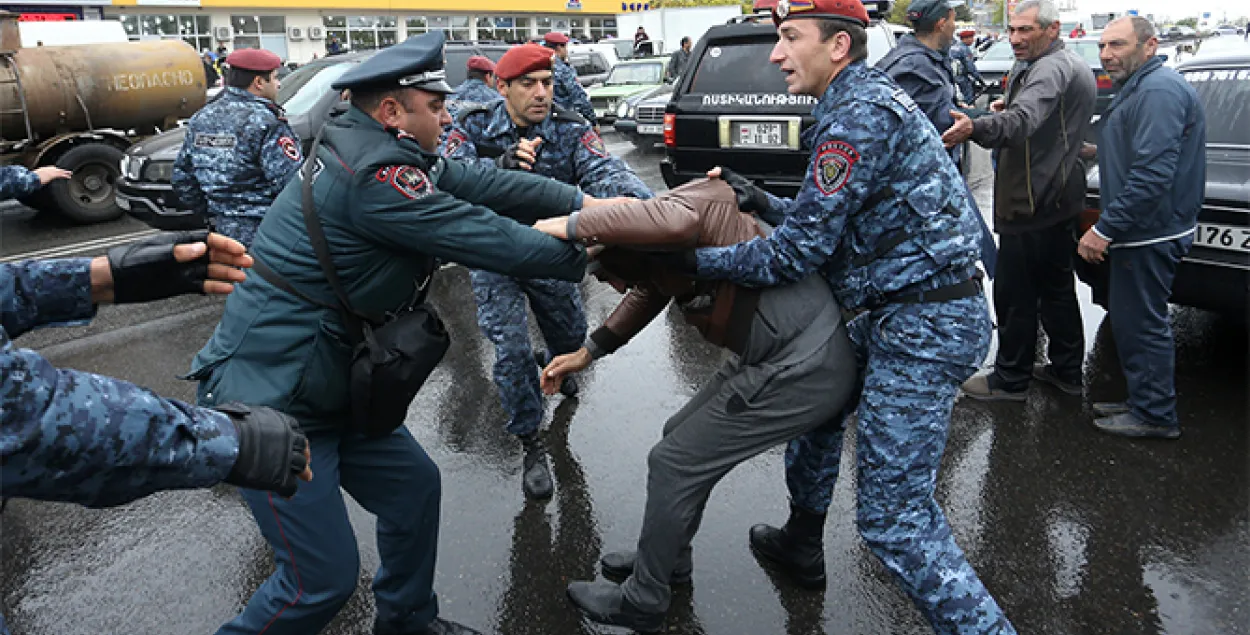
column 89, row 196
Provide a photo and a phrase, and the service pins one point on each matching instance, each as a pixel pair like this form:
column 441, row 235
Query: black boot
column 439, row 626
column 605, row 603
column 569, row 387
column 797, row 549
column 618, row 565
column 536, row 478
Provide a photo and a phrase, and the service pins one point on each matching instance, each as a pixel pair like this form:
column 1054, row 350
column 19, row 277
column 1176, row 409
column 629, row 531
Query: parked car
column 1222, row 46
column 592, row 67
column 733, row 109
column 606, row 49
column 144, row 190
column 627, row 78
column 1087, row 48
column 641, row 117
column 1216, row 273
column 994, row 64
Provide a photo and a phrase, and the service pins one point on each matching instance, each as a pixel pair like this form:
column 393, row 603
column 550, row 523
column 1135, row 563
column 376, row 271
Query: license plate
column 759, row 134
column 653, row 128
column 1227, row 237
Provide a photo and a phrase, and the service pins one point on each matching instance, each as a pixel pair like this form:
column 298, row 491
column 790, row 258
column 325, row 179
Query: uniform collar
column 841, row 85
column 239, row 93
column 911, row 41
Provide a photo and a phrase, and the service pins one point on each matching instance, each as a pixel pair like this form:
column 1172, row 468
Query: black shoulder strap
column 560, row 113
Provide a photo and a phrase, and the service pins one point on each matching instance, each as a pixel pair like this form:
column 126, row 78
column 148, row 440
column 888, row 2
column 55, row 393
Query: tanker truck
column 80, row 107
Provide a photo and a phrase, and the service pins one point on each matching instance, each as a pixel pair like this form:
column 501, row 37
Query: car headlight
column 132, row 167
column 623, row 110
column 161, row 171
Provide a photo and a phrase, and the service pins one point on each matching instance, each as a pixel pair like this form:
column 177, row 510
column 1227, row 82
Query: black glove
column 146, row 270
column 271, row 449
column 750, row 197
column 509, row 159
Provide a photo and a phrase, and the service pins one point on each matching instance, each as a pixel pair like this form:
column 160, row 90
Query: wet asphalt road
column 1072, row 530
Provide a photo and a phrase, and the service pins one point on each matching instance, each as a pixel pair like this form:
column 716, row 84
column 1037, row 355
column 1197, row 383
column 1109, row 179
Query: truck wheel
column 88, row 196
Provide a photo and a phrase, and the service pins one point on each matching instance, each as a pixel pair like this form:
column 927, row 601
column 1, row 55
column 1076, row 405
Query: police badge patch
column 453, row 143
column 594, row 143
column 410, row 181
column 289, row 148
column 206, row 140
column 832, row 167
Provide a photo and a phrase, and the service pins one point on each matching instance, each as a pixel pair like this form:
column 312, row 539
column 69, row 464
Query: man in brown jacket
column 794, row 371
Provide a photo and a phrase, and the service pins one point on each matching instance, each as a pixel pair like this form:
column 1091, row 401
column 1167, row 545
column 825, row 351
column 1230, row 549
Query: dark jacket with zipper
column 1039, row 181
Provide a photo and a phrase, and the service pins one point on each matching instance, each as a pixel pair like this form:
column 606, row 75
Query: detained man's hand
column 555, row 227
column 562, row 366
column 1093, row 248
column 998, row 105
column 169, row 264
column 959, row 131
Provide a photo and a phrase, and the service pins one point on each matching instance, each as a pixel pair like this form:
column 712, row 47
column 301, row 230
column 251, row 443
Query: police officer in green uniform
column 389, row 206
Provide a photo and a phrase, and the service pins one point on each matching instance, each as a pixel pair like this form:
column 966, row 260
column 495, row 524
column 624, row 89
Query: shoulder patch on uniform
column 455, row 139
column 410, row 181
column 904, row 99
column 207, row 140
column 594, row 143
column 832, row 167
column 289, row 148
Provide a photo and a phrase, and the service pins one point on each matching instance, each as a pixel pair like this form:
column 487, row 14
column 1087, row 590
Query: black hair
column 476, row 74
column 859, row 36
column 368, row 99
column 241, row 78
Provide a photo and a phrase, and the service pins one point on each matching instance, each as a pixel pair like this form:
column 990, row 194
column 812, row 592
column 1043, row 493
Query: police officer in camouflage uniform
column 568, row 94
column 389, row 206
column 239, row 151
column 477, row 89
column 966, row 74
column 883, row 214
column 525, row 131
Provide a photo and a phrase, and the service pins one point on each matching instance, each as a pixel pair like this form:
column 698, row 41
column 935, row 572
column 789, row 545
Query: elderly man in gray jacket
column 1039, row 189
column 1152, row 162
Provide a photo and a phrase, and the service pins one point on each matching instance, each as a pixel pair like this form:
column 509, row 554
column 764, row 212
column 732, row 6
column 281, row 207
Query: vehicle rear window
column 738, row 66
column 999, row 52
column 641, row 74
column 1087, row 49
column 456, row 61
column 314, row 89
column 1225, row 96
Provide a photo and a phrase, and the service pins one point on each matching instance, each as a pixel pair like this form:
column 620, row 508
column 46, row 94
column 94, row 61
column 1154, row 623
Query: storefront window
column 260, row 32
column 456, row 26
column 195, row 30
column 504, row 28
column 601, row 28
column 363, row 33
column 552, row 23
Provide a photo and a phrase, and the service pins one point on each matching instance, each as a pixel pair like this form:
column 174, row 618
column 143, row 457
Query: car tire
column 89, row 196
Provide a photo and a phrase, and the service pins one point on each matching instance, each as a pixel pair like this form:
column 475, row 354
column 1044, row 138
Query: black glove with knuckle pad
column 146, row 270
column 271, row 449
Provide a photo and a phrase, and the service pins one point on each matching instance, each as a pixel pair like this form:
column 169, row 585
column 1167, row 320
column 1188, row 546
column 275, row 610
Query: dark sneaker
column 536, row 477
column 1110, row 408
column 619, row 565
column 438, row 627
column 983, row 388
column 1127, row 425
column 1045, row 373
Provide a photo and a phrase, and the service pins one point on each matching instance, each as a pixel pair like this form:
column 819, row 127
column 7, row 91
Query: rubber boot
column 797, row 549
column 536, row 477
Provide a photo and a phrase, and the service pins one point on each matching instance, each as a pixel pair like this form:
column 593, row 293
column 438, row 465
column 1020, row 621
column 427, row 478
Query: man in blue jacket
column 1152, row 165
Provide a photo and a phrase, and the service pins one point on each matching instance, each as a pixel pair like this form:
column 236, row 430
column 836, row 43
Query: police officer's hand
column 561, row 367
column 169, row 264
column 521, row 155
column 959, row 131
column 555, row 227
column 50, row 173
column 273, row 451
column 750, row 197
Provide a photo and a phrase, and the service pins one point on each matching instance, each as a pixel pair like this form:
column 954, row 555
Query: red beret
column 848, row 10
column 555, row 37
column 481, row 63
column 522, row 60
column 967, row 33
column 253, row 60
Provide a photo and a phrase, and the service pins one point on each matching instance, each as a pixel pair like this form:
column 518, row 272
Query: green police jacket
column 388, row 209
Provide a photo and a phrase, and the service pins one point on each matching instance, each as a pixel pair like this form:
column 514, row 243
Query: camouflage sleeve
column 459, row 145
column 44, row 293
column 841, row 174
column 602, row 175
column 280, row 155
column 17, row 182
column 186, row 186
column 572, row 95
column 778, row 207
column 71, row 436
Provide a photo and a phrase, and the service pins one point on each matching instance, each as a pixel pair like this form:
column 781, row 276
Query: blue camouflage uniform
column 568, row 93
column 965, row 67
column 883, row 211
column 573, row 153
column 238, row 154
column 67, row 435
column 469, row 93
column 17, row 182
column 927, row 77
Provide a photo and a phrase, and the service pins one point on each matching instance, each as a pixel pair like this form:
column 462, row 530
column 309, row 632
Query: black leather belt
column 957, row 291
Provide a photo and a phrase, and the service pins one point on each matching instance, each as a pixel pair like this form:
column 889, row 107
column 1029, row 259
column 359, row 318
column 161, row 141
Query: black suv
column 144, row 189
column 732, row 108
column 1216, row 274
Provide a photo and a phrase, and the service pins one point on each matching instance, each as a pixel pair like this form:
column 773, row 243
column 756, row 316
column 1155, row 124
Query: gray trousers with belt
column 795, row 373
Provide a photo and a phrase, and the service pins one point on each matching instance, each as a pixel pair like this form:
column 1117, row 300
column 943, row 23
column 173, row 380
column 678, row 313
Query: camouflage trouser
column 914, row 357
column 501, row 314
column 240, row 228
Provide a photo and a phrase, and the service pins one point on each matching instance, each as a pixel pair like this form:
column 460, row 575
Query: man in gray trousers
column 795, row 370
